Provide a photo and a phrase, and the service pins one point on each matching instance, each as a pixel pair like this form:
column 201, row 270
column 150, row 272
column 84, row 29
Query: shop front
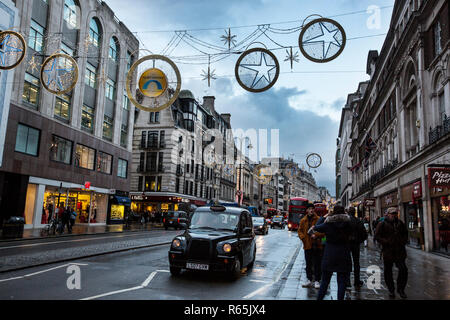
column 43, row 196
column 162, row 204
column 413, row 213
column 439, row 184
column 119, row 204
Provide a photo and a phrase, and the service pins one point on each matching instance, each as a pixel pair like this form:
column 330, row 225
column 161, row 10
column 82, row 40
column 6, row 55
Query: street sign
column 153, row 83
column 87, row 185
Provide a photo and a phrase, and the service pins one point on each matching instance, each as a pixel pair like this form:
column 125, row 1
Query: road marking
column 142, row 286
column 260, row 281
column 65, row 241
column 43, row 271
column 275, row 280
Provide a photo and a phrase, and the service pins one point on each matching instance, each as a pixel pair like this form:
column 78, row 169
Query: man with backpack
column 73, row 217
column 357, row 236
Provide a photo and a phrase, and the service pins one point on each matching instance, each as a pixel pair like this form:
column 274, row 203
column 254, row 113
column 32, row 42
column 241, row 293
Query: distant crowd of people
column 332, row 244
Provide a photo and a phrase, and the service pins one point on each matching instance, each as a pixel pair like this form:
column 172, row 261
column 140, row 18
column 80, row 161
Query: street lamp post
column 240, row 167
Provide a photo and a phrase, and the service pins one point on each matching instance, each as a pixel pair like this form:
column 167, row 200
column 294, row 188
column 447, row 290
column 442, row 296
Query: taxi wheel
column 175, row 271
column 236, row 271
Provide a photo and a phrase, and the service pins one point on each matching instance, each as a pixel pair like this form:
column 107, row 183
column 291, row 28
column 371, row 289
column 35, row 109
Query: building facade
column 169, row 164
column 72, row 149
column 400, row 148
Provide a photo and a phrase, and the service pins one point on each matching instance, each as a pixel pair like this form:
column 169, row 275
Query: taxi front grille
column 199, row 250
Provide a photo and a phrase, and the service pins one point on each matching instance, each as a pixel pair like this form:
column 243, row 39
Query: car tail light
column 164, row 220
column 178, row 220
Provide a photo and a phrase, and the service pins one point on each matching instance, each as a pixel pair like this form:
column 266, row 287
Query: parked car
column 176, row 219
column 260, row 225
column 218, row 239
column 278, row 222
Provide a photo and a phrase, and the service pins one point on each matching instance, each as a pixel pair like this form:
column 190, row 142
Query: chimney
column 226, row 117
column 208, row 103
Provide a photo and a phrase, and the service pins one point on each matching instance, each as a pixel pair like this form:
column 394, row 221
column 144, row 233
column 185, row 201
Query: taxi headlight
column 176, row 243
column 226, row 247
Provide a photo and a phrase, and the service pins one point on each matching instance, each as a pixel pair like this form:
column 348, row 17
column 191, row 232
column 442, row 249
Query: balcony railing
column 375, row 178
column 440, row 130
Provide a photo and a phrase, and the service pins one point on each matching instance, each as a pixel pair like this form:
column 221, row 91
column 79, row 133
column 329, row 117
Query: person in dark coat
column 336, row 257
column 357, row 236
column 392, row 234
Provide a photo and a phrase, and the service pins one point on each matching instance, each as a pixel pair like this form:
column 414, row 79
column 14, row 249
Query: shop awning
column 123, row 200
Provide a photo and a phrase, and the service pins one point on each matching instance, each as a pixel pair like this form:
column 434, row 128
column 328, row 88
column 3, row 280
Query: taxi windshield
column 277, row 219
column 214, row 220
column 259, row 220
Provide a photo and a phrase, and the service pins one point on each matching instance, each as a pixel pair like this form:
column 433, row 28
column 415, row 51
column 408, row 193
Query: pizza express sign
column 439, row 177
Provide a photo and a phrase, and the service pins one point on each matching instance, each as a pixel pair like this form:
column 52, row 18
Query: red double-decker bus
column 320, row 208
column 297, row 209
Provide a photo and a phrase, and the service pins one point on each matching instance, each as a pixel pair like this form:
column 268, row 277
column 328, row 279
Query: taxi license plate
column 197, row 266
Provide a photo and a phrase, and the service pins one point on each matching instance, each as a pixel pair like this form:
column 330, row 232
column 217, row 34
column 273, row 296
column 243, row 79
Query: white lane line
column 142, row 286
column 277, row 278
column 113, row 292
column 64, row 241
column 259, row 281
column 43, row 271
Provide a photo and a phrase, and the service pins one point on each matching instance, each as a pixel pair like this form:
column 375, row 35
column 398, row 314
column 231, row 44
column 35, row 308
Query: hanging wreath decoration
column 59, row 73
column 257, row 70
column 263, row 173
column 322, row 40
column 154, row 84
column 13, row 49
column 314, row 160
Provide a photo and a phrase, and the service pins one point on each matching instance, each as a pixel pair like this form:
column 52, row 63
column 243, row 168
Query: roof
column 234, row 210
column 186, row 94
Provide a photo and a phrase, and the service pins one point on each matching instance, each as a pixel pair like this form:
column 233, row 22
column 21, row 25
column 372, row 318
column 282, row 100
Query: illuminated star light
column 262, row 71
column 5, row 52
column 209, row 76
column 57, row 79
column 229, row 39
column 327, row 36
column 291, row 57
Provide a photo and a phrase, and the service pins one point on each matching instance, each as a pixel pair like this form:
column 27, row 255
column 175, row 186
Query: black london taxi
column 278, row 222
column 260, row 225
column 175, row 219
column 218, row 239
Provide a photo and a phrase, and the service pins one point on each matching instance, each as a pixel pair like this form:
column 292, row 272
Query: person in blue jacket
column 336, row 257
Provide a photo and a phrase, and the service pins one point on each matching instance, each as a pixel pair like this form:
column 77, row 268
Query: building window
column 27, row 140
column 162, row 137
column 160, row 162
column 112, row 53
column 70, row 13
column 104, row 163
column 129, row 60
column 150, row 183
column 159, row 184
column 122, row 169
column 151, row 161
column 110, row 89
column 84, row 157
column 87, row 118
column 66, row 49
column 123, row 135
column 94, row 33
column 31, row 90
column 152, row 141
column 437, row 39
column 140, row 182
column 154, row 117
column 91, row 76
column 61, row 150
column 36, row 38
column 441, row 107
column 108, row 128
column 62, row 107
column 177, row 185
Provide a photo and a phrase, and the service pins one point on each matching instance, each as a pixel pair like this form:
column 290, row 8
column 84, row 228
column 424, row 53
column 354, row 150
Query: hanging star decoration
column 10, row 47
column 33, row 65
column 327, row 37
column 291, row 57
column 261, row 70
column 209, row 75
column 58, row 79
column 229, row 39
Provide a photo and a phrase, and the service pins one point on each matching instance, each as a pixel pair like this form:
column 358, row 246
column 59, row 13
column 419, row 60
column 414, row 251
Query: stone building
column 71, row 149
column 400, row 150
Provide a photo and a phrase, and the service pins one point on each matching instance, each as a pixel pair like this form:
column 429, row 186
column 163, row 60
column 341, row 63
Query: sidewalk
column 428, row 278
column 83, row 229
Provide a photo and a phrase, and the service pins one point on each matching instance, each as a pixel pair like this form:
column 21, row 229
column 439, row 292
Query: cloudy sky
column 305, row 104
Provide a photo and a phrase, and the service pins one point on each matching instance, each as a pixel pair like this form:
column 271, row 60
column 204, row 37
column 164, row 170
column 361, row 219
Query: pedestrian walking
column 392, row 234
column 312, row 246
column 73, row 217
column 357, row 236
column 65, row 220
column 336, row 258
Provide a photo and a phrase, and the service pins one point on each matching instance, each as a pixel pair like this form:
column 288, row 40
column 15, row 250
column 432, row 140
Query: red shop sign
column 439, row 177
column 417, row 190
